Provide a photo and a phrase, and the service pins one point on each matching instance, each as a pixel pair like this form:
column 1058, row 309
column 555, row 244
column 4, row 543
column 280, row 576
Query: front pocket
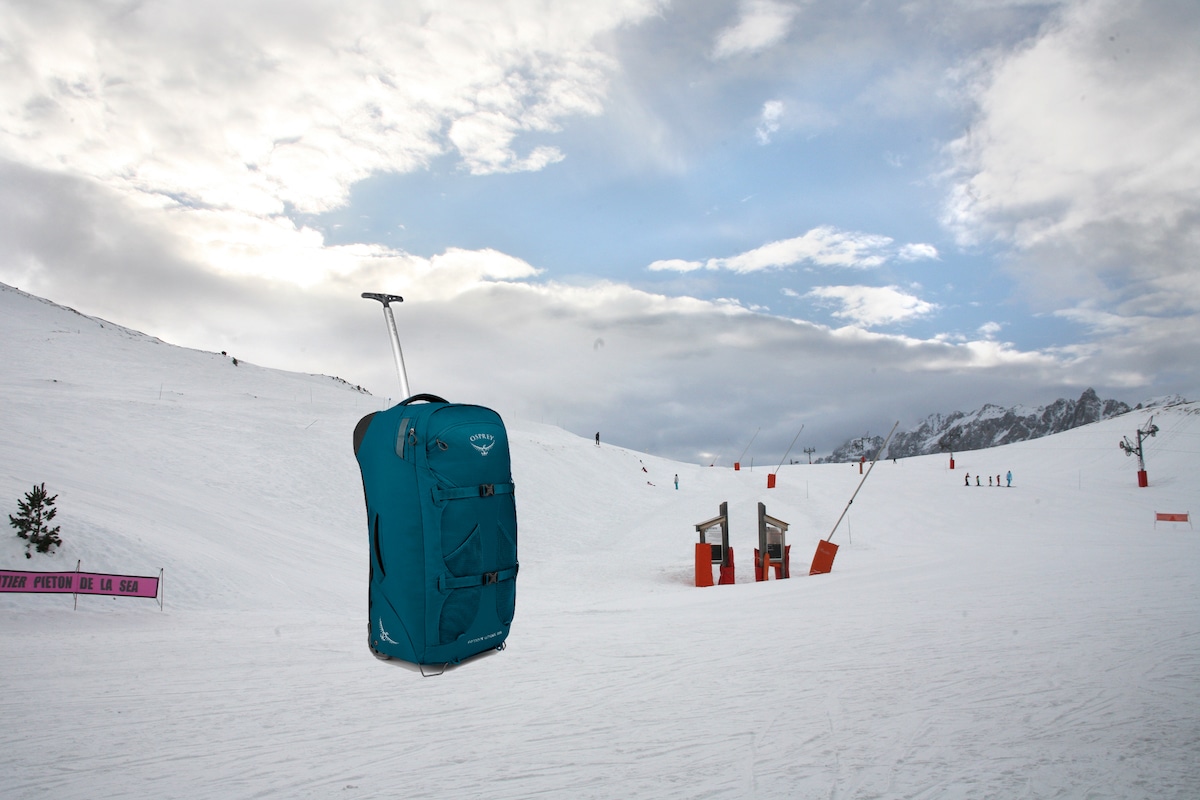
column 462, row 546
column 463, row 557
column 458, row 612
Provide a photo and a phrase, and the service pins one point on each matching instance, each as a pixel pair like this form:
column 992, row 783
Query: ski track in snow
column 1041, row 641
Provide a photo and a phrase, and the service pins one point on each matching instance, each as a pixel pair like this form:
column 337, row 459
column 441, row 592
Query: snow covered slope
column 1037, row 641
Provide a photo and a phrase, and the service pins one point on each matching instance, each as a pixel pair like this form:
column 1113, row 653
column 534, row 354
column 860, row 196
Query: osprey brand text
column 483, row 442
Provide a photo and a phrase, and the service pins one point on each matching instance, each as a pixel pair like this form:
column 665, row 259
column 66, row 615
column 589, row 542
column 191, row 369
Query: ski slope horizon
column 1041, row 640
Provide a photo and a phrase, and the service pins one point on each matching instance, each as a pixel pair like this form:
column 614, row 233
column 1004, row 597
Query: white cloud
column 1099, row 321
column 873, row 305
column 227, row 115
column 988, row 330
column 148, row 155
column 485, row 140
column 761, row 24
column 1084, row 156
column 483, row 265
column 481, row 325
column 768, row 122
column 917, row 252
column 824, row 246
column 234, row 110
column 674, row 265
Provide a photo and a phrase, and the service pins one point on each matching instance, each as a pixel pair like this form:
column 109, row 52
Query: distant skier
column 997, row 480
column 990, row 480
column 677, row 482
column 1009, row 478
column 597, row 438
column 977, row 483
column 967, row 480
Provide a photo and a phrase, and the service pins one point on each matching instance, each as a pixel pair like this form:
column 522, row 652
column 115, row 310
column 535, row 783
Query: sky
column 689, row 226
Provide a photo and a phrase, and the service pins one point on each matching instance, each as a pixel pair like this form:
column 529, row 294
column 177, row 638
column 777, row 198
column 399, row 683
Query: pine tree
column 33, row 518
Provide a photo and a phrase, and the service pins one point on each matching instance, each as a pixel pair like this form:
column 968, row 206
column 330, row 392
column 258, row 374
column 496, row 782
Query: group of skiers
column 967, row 481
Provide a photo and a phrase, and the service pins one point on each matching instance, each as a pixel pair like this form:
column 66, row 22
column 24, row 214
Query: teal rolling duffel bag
column 442, row 528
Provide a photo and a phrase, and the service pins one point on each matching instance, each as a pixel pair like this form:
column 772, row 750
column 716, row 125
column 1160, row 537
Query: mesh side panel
column 458, row 613
column 506, row 591
column 506, row 601
column 461, row 544
column 463, row 556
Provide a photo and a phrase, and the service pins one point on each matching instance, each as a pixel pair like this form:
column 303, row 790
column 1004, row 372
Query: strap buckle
column 487, row 490
column 490, row 578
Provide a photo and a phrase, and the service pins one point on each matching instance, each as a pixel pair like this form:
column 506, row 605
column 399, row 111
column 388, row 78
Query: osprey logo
column 483, row 442
column 383, row 634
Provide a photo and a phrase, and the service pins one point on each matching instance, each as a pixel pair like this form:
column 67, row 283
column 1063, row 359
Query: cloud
column 824, row 246
column 768, row 122
column 485, row 140
column 917, row 252
column 1083, row 158
column 988, row 330
column 871, row 306
column 262, row 110
column 761, row 24
column 157, row 162
column 227, row 120
column 674, row 265
column 484, row 326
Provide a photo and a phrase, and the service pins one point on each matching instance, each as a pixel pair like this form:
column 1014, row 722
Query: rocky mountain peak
column 989, row 426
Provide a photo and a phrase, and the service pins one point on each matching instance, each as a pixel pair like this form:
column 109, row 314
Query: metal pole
column 387, row 299
column 752, row 438
column 864, row 480
column 793, row 444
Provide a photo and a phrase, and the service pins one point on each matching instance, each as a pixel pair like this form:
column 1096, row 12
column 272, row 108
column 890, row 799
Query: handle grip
column 383, row 298
column 428, row 398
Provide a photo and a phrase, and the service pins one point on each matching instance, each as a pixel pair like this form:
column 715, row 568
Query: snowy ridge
column 1038, row 641
column 989, row 426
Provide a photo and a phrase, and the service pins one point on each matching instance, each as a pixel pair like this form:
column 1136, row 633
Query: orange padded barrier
column 823, row 559
column 703, row 564
column 727, row 576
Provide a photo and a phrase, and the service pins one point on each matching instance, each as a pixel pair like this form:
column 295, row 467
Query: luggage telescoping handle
column 387, row 299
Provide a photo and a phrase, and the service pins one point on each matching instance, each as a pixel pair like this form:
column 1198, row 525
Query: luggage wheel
column 371, row 646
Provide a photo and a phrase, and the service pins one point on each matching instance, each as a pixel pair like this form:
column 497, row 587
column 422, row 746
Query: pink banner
column 78, row 583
